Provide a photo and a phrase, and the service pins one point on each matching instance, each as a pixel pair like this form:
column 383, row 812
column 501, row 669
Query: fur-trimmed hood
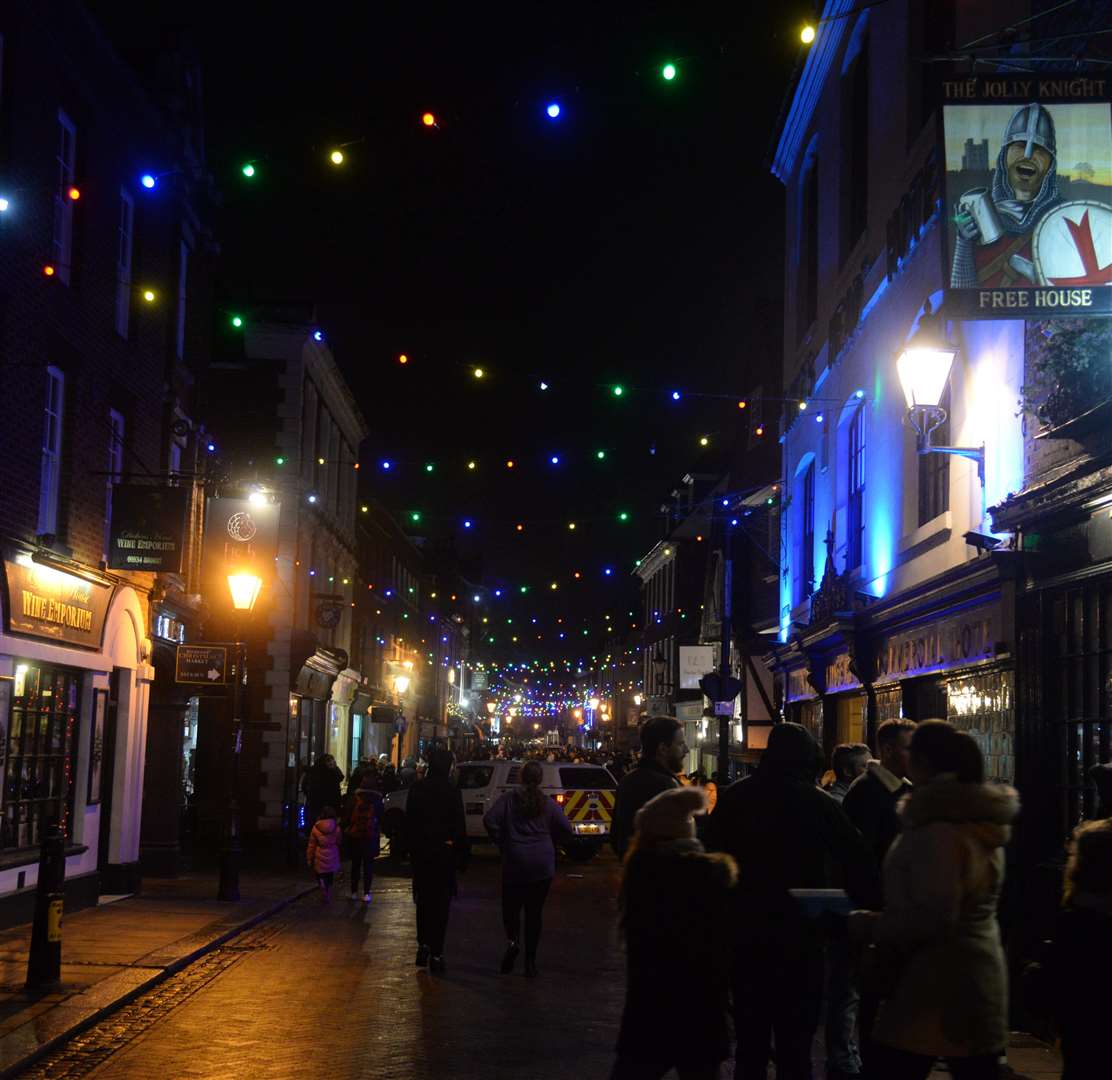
column 986, row 810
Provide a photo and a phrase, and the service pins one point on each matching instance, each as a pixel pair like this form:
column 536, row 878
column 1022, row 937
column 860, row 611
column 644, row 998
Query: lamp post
column 244, row 588
column 401, row 685
column 924, row 369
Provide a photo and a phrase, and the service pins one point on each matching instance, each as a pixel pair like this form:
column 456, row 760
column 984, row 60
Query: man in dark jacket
column 436, row 834
column 321, row 785
column 783, row 832
column 662, row 752
column 871, row 800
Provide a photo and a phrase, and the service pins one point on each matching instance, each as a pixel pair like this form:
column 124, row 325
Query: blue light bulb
column 554, row 459
column 386, row 466
column 467, row 524
column 553, row 110
column 147, row 181
column 675, row 395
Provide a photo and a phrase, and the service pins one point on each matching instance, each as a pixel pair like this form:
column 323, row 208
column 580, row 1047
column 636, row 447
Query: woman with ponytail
column 526, row 825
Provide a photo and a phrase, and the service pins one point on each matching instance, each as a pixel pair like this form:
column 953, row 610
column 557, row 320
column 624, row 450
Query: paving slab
column 115, row 952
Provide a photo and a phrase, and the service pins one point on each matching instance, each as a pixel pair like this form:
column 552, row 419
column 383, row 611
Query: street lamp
column 593, row 702
column 924, row 369
column 244, row 587
column 491, row 707
column 637, row 700
column 401, row 684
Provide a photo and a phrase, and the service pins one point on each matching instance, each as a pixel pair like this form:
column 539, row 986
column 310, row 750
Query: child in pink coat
column 323, row 852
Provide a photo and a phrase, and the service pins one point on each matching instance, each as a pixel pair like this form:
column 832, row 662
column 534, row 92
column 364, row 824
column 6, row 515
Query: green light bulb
column 618, row 390
column 601, row 454
column 623, row 516
column 248, row 170
column 237, row 322
column 429, row 467
column 414, row 517
column 279, row 461
column 668, row 72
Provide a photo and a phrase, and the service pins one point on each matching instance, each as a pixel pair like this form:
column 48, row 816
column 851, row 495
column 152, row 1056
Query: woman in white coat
column 938, row 940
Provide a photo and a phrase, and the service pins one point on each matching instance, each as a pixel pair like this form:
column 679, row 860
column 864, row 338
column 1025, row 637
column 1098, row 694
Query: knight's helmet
column 1033, row 126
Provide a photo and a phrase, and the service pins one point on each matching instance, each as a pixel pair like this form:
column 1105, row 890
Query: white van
column 585, row 792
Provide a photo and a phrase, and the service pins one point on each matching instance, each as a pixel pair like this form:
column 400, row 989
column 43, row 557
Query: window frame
column 117, row 432
column 934, row 471
column 184, row 251
column 61, row 243
column 855, row 496
column 807, row 533
column 42, row 746
column 50, row 470
column 125, row 231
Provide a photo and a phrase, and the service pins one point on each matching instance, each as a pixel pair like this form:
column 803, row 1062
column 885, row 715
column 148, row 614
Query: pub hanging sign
column 45, row 602
column 1028, row 217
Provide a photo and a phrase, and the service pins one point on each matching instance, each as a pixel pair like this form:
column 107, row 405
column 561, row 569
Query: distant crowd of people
column 869, row 894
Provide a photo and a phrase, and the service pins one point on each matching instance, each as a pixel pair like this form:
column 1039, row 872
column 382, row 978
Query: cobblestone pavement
column 332, row 991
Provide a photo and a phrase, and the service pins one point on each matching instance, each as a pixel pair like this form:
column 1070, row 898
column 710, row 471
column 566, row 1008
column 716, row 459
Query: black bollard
column 44, row 965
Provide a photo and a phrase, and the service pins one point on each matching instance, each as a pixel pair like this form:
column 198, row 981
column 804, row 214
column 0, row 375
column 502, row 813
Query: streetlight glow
column 244, row 588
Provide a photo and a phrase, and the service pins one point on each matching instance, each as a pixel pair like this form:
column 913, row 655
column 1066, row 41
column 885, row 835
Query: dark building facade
column 104, row 315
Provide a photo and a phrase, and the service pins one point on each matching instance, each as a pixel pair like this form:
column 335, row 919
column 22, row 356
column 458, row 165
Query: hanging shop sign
column 148, row 528
column 46, row 602
column 695, row 662
column 203, row 665
column 967, row 638
column 1028, row 196
column 240, row 535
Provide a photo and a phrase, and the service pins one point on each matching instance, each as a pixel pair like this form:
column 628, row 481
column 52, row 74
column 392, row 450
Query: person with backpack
column 364, row 834
column 526, row 825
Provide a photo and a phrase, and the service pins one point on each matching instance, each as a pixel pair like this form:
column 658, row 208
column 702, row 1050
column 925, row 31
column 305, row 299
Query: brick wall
column 54, row 57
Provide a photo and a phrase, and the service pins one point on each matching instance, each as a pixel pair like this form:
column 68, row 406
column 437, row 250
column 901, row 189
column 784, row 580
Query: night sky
column 635, row 240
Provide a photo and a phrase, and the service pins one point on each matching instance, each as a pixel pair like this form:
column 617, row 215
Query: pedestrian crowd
column 870, row 898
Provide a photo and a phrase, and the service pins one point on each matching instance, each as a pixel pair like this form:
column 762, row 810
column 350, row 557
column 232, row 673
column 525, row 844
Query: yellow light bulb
column 807, row 35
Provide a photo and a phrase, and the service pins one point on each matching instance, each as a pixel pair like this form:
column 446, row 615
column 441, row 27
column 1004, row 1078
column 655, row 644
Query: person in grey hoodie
column 526, row 825
column 937, row 942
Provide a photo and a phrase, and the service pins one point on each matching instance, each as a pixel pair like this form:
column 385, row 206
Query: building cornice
column 827, row 45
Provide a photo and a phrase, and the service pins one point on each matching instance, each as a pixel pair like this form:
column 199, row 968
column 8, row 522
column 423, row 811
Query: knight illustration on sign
column 1019, row 232
column 994, row 227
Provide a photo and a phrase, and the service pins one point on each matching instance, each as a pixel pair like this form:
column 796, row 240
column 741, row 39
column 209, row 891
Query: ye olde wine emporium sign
column 44, row 602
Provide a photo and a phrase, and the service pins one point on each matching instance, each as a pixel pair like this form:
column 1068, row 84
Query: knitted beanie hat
column 668, row 816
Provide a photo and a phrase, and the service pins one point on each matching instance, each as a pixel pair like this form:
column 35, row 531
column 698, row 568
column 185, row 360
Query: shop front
column 74, row 687
column 309, row 731
column 957, row 666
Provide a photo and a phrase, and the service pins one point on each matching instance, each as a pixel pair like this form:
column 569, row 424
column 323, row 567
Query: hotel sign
column 44, row 602
column 968, row 638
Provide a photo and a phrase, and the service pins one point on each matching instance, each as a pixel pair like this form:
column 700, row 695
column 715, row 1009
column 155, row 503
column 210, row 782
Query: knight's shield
column 1072, row 245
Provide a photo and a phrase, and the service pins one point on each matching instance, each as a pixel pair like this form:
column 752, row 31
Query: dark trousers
column 326, row 879
column 363, row 856
column 433, row 885
column 777, row 992
column 887, row 1063
column 626, row 1069
column 530, row 897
